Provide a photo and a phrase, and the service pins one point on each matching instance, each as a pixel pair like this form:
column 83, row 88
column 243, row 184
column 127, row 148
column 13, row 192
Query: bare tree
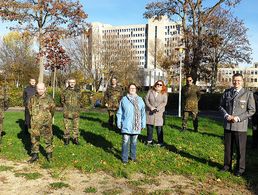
column 194, row 16
column 226, row 43
column 120, row 58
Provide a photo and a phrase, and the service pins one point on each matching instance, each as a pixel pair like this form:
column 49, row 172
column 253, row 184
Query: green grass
column 5, row 168
column 28, row 176
column 58, row 185
column 196, row 155
column 90, row 190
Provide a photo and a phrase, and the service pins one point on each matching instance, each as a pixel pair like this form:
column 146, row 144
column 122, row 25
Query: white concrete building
column 145, row 39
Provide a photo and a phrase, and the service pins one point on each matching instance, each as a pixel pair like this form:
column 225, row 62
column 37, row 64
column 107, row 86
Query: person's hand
column 235, row 119
column 230, row 118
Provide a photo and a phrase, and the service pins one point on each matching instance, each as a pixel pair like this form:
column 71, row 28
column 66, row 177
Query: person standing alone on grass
column 131, row 119
column 28, row 92
column 112, row 97
column 71, row 101
column 236, row 105
column 190, row 98
column 41, row 107
column 156, row 101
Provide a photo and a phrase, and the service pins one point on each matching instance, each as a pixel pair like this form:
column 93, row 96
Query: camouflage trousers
column 41, row 130
column 194, row 117
column 71, row 123
column 111, row 117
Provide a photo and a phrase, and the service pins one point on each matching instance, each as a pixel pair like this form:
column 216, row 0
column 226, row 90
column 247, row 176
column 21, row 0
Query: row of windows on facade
column 124, row 41
column 123, row 35
column 249, row 80
column 172, row 27
column 249, row 72
column 172, row 33
column 171, row 39
column 123, row 30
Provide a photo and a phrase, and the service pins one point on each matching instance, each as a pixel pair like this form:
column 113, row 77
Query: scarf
column 137, row 113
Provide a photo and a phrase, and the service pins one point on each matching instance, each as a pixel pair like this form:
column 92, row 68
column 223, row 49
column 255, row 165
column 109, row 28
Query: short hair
column 237, row 75
column 128, row 87
column 188, row 76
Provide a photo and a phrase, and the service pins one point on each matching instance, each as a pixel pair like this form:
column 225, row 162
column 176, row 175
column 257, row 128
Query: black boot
column 75, row 141
column 34, row 158
column 49, row 156
column 66, row 141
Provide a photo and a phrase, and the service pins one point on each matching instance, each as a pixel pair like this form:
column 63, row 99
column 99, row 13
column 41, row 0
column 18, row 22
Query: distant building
column 145, row 39
column 250, row 75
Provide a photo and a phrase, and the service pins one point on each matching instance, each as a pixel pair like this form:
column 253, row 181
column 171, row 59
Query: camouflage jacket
column 41, row 108
column 71, row 100
column 113, row 96
column 190, row 96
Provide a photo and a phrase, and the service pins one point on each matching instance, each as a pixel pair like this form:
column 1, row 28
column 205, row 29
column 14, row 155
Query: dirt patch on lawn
column 23, row 178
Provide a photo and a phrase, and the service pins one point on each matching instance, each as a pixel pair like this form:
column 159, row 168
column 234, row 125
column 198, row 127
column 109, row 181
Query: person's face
column 158, row 86
column 114, row 81
column 189, row 81
column 132, row 90
column 41, row 89
column 32, row 82
column 72, row 83
column 237, row 82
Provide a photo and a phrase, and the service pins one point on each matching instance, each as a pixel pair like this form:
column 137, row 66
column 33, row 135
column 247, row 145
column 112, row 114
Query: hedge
column 207, row 101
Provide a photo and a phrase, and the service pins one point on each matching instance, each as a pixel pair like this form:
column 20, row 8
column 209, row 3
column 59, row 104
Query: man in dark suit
column 237, row 105
column 255, row 122
column 28, row 92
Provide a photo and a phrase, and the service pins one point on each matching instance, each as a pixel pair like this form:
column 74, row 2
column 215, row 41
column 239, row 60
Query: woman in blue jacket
column 131, row 119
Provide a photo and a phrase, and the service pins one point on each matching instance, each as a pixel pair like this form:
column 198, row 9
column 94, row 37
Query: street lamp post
column 180, row 81
column 181, row 50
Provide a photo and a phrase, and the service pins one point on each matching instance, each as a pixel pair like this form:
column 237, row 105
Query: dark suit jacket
column 241, row 105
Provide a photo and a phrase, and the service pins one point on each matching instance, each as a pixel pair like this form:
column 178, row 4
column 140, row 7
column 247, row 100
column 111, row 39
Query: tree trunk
column 54, row 83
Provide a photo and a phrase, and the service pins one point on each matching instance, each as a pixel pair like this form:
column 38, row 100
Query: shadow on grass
column 103, row 124
column 173, row 149
column 57, row 132
column 100, row 142
column 24, row 136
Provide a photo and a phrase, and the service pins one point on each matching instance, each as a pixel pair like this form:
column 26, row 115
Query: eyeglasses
column 132, row 88
column 158, row 84
column 189, row 80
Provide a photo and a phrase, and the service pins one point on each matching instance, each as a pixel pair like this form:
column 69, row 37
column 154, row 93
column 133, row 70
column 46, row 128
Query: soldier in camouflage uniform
column 190, row 97
column 41, row 108
column 3, row 107
column 112, row 98
column 70, row 99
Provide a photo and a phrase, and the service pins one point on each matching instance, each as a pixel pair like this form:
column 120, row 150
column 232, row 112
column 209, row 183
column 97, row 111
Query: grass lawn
column 197, row 155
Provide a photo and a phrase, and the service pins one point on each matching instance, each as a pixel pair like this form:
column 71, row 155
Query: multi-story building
column 146, row 41
column 250, row 75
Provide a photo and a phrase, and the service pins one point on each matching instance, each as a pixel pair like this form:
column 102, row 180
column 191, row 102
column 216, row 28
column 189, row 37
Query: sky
column 124, row 12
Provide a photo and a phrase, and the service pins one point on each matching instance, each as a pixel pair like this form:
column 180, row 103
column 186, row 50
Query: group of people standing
column 134, row 114
column 39, row 112
column 130, row 113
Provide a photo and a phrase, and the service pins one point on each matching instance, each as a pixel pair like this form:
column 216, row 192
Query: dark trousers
column 238, row 139
column 159, row 133
column 27, row 120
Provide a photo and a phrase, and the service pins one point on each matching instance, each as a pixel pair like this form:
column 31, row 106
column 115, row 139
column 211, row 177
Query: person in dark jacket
column 28, row 92
column 255, row 122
